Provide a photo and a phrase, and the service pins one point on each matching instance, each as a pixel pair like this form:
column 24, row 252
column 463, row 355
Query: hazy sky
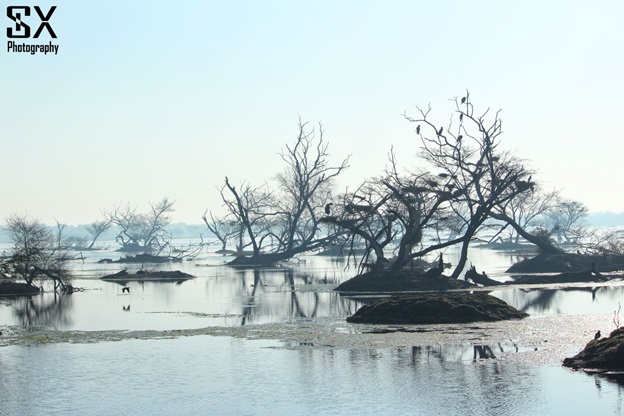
column 151, row 98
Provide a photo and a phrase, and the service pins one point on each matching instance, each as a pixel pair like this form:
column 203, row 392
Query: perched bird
column 440, row 131
column 459, row 138
column 461, row 116
column 597, row 336
column 418, row 129
column 328, row 208
column 463, row 100
column 125, row 289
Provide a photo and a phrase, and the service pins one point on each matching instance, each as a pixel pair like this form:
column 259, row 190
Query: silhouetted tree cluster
column 140, row 231
column 280, row 221
column 35, row 254
column 465, row 182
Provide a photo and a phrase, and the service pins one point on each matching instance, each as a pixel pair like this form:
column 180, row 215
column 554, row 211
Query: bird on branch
column 418, row 129
column 463, row 100
column 328, row 208
column 440, row 131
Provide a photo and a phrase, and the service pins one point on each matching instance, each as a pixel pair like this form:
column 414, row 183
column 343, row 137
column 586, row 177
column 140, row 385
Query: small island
column 435, row 308
column 18, row 289
column 142, row 275
column 600, row 354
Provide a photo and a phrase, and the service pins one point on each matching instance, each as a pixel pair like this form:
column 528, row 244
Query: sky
column 147, row 99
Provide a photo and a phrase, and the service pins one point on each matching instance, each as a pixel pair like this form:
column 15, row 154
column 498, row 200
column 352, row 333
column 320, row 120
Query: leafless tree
column 566, row 219
column 526, row 210
column 35, row 254
column 142, row 231
column 393, row 211
column 283, row 221
column 224, row 229
column 96, row 229
column 466, row 158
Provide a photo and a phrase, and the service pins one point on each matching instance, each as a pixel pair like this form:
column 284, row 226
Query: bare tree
column 566, row 219
column 526, row 209
column 224, row 229
column 96, row 229
column 35, row 254
column 284, row 221
column 394, row 211
column 144, row 232
column 483, row 179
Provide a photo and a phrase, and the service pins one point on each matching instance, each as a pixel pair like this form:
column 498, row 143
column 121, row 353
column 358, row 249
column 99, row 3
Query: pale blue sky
column 150, row 98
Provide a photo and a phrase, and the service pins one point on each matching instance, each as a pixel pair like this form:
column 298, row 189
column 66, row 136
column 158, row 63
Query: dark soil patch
column 570, row 277
column 401, row 281
column 603, row 354
column 17, row 289
column 124, row 276
column 567, row 262
column 435, row 308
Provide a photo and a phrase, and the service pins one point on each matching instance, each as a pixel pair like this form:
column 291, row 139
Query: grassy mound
column 435, row 308
column 401, row 281
column 603, row 354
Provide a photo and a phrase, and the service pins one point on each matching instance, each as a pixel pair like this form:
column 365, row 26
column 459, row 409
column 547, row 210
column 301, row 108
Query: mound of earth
column 401, row 281
column 17, row 289
column 567, row 262
column 124, row 276
column 603, row 354
column 435, row 308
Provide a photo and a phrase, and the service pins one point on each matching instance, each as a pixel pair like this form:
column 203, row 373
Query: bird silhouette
column 328, row 208
column 461, row 116
column 418, row 129
column 463, row 100
column 440, row 131
column 597, row 336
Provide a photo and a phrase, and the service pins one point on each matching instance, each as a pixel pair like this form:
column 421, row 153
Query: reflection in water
column 572, row 300
column 48, row 311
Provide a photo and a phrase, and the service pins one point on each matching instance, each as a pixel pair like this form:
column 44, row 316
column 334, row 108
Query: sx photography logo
column 21, row 29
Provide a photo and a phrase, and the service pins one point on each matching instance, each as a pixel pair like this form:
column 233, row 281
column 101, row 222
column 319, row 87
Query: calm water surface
column 230, row 375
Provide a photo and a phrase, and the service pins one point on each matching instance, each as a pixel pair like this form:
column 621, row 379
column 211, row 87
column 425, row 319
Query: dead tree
column 223, row 229
column 143, row 232
column 466, row 157
column 35, row 254
column 285, row 220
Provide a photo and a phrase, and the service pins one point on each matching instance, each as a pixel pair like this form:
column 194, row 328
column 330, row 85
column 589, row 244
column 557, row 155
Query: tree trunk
column 542, row 243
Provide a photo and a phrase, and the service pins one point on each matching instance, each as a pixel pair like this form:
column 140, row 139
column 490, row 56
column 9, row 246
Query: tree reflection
column 290, row 293
column 45, row 310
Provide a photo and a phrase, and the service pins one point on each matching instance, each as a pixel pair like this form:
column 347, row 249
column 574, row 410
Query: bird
column 126, row 308
column 440, row 131
column 459, row 138
column 597, row 336
column 328, row 208
column 461, row 116
column 125, row 289
column 463, row 100
column 418, row 129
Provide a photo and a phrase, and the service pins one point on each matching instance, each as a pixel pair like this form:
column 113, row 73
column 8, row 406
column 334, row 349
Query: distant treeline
column 183, row 230
column 177, row 230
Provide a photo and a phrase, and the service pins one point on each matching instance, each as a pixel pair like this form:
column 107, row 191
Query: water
column 221, row 375
column 288, row 348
